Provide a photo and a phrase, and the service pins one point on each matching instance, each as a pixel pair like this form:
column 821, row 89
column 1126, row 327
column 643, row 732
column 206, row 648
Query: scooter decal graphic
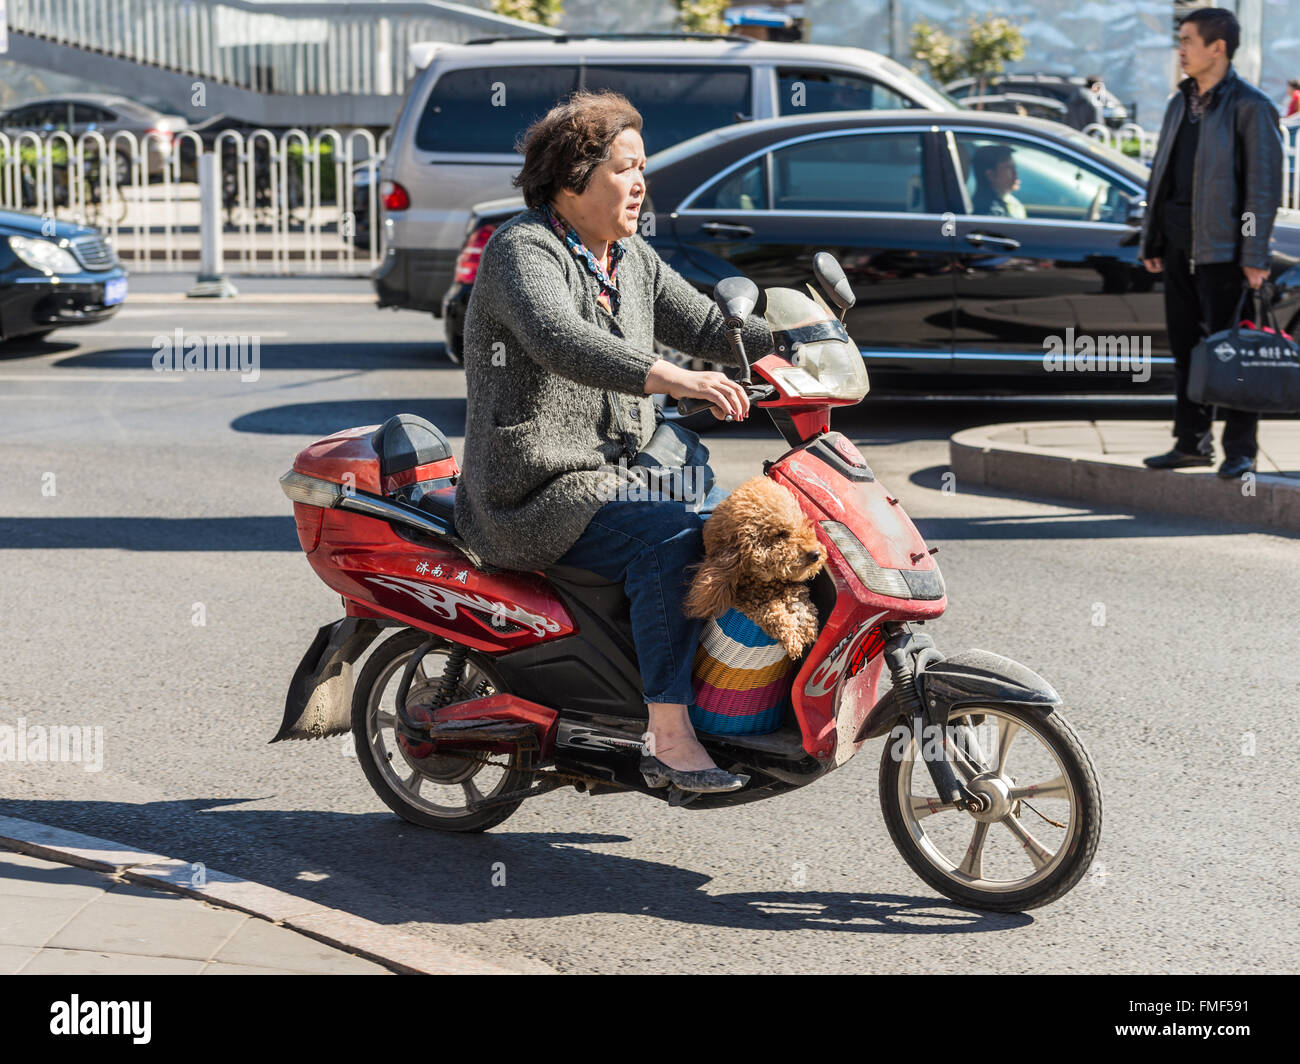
column 827, row 674
column 444, row 602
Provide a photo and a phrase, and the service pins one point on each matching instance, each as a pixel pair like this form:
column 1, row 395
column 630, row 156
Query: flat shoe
column 1235, row 467
column 703, row 781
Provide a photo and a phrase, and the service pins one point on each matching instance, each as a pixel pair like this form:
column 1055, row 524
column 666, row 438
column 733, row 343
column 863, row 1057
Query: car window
column 867, row 172
column 487, row 108
column 677, row 102
column 84, row 114
column 744, row 189
column 1007, row 178
column 808, row 91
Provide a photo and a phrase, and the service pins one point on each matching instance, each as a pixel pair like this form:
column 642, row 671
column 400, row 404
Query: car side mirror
column 1137, row 211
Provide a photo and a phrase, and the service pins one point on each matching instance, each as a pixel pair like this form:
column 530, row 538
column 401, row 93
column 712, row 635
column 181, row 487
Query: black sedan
column 984, row 249
column 54, row 274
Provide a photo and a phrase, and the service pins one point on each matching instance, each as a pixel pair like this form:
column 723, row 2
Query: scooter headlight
column 896, row 583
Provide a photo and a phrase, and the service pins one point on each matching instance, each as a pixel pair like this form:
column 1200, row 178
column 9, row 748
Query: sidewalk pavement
column 1101, row 462
column 57, row 919
column 74, row 904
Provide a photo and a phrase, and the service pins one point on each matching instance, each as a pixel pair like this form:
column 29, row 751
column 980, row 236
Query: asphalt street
column 136, row 504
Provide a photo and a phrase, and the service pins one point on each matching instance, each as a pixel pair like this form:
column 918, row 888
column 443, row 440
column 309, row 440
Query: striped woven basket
column 742, row 678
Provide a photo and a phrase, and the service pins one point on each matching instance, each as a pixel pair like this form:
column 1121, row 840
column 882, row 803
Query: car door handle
column 726, row 229
column 982, row 239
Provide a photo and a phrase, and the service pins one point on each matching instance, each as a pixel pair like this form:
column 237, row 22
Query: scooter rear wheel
column 433, row 791
column 1039, row 835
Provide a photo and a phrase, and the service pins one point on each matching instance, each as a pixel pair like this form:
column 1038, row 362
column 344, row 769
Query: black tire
column 377, row 755
column 1072, row 857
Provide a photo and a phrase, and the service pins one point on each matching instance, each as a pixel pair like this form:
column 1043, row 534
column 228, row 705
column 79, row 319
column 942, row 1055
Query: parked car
column 453, row 141
column 78, row 113
column 944, row 291
column 54, row 274
column 1014, row 94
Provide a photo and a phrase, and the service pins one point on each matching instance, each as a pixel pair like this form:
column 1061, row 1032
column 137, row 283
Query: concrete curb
column 397, row 950
column 1120, row 480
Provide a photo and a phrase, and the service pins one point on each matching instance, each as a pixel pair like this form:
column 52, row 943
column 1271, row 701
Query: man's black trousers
column 1198, row 305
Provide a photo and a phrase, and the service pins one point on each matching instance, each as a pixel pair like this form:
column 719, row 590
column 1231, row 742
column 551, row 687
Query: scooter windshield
column 818, row 344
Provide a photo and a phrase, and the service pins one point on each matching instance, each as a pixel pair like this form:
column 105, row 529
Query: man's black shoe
column 1235, row 467
column 1176, row 459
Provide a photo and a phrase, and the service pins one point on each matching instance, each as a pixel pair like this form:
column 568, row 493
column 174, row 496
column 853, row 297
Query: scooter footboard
column 319, row 702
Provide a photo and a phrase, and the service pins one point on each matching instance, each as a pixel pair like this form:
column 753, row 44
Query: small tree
column 937, row 51
column 539, row 12
column 701, row 16
column 991, row 43
column 988, row 46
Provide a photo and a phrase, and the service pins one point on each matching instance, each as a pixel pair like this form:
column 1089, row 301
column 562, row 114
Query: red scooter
column 499, row 686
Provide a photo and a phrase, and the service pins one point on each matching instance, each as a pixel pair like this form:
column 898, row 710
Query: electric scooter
column 495, row 686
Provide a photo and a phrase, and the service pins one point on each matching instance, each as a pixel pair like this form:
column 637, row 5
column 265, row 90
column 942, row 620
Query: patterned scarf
column 608, row 297
column 1198, row 103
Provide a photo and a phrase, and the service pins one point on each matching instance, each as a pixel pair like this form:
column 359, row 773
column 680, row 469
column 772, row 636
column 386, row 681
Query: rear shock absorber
column 444, row 693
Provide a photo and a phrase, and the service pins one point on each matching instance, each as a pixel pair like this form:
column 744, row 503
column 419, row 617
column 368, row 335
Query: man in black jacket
column 1216, row 185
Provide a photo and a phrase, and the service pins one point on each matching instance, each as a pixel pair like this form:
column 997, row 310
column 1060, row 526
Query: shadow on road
column 324, row 419
column 337, row 356
column 149, row 533
column 381, row 868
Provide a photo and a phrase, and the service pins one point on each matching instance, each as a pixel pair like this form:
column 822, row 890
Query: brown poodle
column 759, row 553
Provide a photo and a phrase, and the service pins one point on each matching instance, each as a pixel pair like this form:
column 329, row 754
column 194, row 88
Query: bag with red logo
column 1256, row 368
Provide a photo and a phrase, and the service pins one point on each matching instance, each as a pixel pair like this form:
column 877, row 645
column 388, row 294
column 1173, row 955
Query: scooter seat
column 441, row 504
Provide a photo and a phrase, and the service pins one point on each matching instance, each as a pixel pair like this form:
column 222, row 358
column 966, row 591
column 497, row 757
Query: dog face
column 757, row 535
column 776, row 543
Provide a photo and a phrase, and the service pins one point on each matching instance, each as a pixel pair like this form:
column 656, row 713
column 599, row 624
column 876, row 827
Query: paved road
column 165, row 510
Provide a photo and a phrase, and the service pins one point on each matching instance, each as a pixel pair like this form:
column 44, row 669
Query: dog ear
column 713, row 590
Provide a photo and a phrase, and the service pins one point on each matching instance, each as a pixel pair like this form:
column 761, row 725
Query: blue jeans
column 648, row 546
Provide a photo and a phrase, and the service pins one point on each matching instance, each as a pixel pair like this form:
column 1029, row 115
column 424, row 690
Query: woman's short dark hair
column 1215, row 24
column 564, row 146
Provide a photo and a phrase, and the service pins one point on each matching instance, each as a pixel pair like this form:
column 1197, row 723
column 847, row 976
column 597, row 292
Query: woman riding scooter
column 566, row 305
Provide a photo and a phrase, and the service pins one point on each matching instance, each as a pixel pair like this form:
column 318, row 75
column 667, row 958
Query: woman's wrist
column 662, row 378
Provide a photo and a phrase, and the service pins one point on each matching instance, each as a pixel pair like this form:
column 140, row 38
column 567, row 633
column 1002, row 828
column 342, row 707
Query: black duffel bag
column 1253, row 369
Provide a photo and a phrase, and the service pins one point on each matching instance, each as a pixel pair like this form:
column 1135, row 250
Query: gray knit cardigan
column 541, row 361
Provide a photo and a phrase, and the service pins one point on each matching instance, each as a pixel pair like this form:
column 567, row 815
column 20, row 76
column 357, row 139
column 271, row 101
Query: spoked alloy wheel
column 427, row 789
column 1038, row 837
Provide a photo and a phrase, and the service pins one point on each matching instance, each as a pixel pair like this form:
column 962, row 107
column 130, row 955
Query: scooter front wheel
column 431, row 790
column 1038, row 835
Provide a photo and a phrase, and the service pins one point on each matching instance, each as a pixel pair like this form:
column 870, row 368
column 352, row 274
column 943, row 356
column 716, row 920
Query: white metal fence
column 290, row 203
column 1146, row 143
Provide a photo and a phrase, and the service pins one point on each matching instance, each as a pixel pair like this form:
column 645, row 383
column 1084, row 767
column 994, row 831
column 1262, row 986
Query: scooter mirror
column 736, row 298
column 831, row 277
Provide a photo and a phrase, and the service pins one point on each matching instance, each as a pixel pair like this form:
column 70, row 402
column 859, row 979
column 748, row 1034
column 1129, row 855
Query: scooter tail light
column 308, row 520
column 468, row 260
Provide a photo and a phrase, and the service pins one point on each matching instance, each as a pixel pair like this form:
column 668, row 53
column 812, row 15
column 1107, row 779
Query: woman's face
column 610, row 205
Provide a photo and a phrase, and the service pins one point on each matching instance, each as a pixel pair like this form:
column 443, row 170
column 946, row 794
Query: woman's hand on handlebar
column 726, row 397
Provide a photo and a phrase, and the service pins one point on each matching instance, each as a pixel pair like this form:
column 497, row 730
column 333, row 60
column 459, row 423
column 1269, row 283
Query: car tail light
column 164, row 136
column 467, row 261
column 395, row 196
